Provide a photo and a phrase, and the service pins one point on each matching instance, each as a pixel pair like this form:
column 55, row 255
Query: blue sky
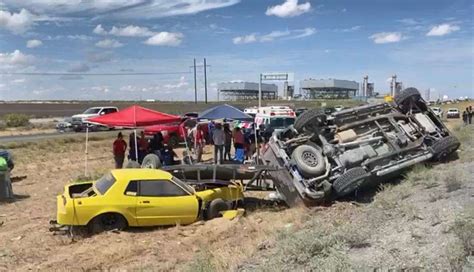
column 428, row 44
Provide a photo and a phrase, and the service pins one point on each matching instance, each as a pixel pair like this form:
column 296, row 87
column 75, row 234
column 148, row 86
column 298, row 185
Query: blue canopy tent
column 225, row 112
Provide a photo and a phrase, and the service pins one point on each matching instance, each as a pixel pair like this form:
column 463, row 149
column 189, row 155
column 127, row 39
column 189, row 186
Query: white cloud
column 120, row 8
column 165, row 39
column 99, row 57
column 15, row 60
column 99, row 30
column 18, row 81
column 33, row 43
column 79, row 68
column 275, row 35
column 131, row 31
column 16, row 23
column 290, row 8
column 127, row 31
column 304, row 33
column 109, row 43
column 443, row 29
column 100, row 89
column 245, row 39
column 351, row 29
column 386, row 37
column 182, row 83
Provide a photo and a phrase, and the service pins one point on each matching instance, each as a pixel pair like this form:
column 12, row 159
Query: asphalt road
column 47, row 136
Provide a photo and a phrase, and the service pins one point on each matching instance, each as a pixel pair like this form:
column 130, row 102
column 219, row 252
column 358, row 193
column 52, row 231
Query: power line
column 96, row 74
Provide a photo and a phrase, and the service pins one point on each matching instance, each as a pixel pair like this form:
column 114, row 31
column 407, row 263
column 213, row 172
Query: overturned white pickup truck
column 322, row 158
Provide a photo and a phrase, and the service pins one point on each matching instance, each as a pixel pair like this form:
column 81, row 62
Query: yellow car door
column 162, row 202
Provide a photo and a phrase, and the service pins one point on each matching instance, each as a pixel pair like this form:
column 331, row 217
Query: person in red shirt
column 119, row 148
column 142, row 147
column 199, row 142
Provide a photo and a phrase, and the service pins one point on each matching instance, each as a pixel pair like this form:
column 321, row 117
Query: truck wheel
column 404, row 97
column 107, row 222
column 151, row 161
column 442, row 148
column 215, row 207
column 349, row 181
column 309, row 120
column 309, row 160
column 173, row 141
column 132, row 164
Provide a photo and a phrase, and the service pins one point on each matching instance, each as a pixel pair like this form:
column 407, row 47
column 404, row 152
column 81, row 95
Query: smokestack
column 364, row 86
column 393, row 86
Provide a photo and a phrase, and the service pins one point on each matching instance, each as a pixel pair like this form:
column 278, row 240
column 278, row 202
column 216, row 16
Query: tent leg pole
column 86, row 153
column 257, row 147
column 136, row 145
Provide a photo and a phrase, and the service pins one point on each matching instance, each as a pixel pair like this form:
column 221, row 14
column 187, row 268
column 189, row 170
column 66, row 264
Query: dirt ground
column 26, row 243
column 401, row 234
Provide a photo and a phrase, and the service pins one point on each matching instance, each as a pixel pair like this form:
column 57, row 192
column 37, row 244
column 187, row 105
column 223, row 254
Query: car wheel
column 215, row 207
column 132, row 164
column 309, row 120
column 404, row 97
column 107, row 222
column 151, row 161
column 173, row 141
column 309, row 160
column 442, row 148
column 349, row 181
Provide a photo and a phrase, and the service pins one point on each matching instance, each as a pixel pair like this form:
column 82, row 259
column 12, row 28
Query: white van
column 276, row 117
column 251, row 111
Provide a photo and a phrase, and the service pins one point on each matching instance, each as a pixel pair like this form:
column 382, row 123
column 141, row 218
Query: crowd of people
column 230, row 143
column 467, row 116
column 142, row 147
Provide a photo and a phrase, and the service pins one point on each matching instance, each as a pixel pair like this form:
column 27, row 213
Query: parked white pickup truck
column 79, row 121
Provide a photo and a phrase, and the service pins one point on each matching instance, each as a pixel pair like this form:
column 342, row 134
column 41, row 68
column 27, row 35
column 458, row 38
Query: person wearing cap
column 218, row 139
column 119, row 148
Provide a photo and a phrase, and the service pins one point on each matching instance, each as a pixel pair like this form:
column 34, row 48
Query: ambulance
column 276, row 117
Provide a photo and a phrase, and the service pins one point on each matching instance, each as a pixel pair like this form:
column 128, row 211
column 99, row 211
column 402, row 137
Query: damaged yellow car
column 142, row 197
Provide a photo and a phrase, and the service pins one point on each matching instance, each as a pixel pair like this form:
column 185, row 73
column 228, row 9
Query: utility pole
column 195, row 85
column 205, row 81
column 259, row 92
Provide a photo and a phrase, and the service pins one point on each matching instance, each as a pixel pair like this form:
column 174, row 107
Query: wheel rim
column 310, row 158
column 148, row 165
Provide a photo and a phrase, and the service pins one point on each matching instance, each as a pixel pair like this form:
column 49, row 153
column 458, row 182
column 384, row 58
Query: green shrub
column 16, row 120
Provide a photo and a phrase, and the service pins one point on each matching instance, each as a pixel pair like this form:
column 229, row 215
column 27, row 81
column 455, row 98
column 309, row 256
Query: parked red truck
column 174, row 133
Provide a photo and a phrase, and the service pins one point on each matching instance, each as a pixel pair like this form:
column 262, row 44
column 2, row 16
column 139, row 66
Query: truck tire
column 349, row 181
column 309, row 160
column 215, row 207
column 173, row 141
column 132, row 164
column 408, row 94
column 151, row 161
column 442, row 148
column 309, row 120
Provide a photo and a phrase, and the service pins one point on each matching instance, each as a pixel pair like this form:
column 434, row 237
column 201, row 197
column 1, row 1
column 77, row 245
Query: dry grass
column 463, row 229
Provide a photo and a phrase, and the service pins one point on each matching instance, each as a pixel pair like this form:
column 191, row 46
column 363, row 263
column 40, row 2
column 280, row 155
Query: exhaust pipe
column 404, row 164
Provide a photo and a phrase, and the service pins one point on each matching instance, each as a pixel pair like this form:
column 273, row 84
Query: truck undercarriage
column 322, row 157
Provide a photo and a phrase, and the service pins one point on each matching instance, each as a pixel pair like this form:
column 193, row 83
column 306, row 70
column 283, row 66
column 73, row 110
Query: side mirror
column 131, row 193
column 102, row 113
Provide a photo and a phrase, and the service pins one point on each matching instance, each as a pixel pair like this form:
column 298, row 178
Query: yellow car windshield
column 103, row 184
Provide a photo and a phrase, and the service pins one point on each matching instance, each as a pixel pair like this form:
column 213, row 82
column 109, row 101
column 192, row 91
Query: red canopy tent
column 131, row 117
